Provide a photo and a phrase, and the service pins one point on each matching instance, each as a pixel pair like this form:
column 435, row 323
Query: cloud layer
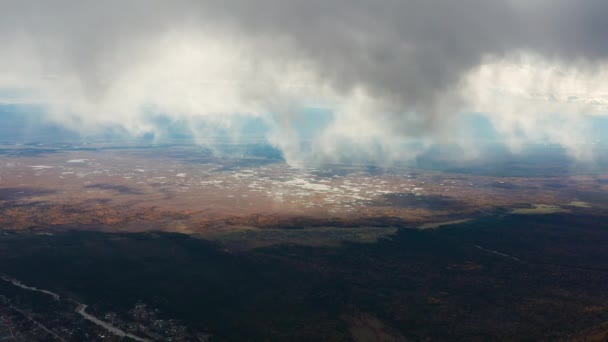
column 391, row 71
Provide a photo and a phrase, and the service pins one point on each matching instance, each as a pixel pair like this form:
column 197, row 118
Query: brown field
column 143, row 189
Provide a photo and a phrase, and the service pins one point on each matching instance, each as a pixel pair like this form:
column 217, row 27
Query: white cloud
column 392, row 74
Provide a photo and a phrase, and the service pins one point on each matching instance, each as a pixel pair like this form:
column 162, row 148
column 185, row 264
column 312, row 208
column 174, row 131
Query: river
column 80, row 309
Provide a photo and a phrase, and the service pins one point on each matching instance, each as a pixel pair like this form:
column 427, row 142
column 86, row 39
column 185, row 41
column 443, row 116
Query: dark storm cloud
column 409, row 53
column 412, row 49
column 399, row 48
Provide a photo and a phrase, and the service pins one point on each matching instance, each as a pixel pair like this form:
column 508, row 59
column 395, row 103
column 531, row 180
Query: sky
column 372, row 76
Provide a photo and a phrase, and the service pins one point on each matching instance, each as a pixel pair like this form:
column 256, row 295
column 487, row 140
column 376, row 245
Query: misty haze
column 290, row 170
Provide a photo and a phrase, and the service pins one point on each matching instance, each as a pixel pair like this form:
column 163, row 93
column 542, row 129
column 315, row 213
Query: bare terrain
column 189, row 190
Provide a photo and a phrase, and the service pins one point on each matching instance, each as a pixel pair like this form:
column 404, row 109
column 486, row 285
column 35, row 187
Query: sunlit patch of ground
column 432, row 225
column 540, row 209
column 579, row 204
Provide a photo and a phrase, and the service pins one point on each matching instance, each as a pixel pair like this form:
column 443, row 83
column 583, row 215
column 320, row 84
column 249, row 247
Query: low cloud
column 390, row 72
